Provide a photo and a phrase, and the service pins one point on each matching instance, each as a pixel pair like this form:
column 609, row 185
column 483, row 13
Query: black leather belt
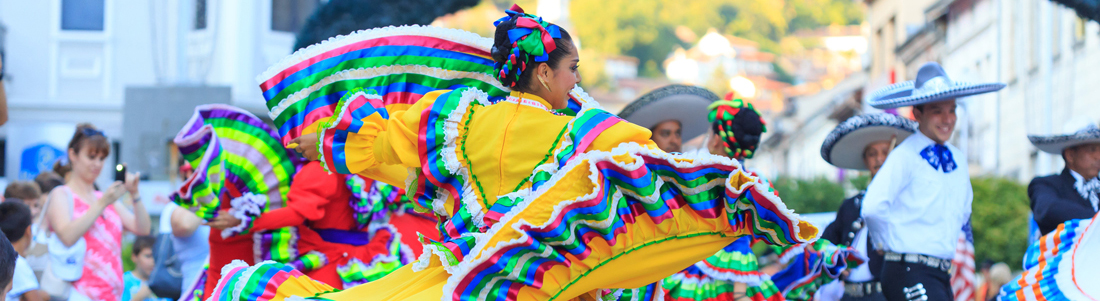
column 932, row 262
column 862, row 289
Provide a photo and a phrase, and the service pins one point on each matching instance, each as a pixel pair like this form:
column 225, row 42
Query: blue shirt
column 131, row 285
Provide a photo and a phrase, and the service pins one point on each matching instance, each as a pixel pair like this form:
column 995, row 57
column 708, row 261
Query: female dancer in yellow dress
column 541, row 195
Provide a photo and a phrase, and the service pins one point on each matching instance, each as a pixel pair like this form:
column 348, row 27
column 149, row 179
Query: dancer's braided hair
column 738, row 124
column 523, row 40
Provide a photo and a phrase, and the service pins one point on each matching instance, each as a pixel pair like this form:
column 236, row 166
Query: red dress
column 331, row 241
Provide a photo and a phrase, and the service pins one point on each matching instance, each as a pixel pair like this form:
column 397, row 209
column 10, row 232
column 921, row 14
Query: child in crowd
column 15, row 222
column 28, row 192
column 135, row 282
column 7, row 265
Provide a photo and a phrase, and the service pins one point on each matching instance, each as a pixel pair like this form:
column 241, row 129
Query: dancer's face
column 937, row 120
column 875, row 155
column 559, row 79
column 667, row 136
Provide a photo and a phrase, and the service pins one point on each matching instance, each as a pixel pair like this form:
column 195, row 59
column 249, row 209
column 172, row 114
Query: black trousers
column 872, row 297
column 903, row 281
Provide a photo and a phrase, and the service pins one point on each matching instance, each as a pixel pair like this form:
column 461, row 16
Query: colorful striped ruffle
column 373, row 202
column 814, row 265
column 237, row 159
column 357, row 272
column 233, row 153
column 1060, row 266
column 734, row 263
column 400, row 64
column 280, row 245
column 630, row 183
column 309, row 261
column 693, row 284
column 714, row 277
column 265, row 281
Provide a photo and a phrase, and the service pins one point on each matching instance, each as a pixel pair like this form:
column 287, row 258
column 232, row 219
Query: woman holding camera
column 78, row 211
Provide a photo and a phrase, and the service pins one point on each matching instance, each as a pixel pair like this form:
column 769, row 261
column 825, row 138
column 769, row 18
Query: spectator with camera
column 84, row 218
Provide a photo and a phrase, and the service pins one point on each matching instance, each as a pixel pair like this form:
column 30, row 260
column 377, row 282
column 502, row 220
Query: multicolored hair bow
column 722, row 114
column 532, row 39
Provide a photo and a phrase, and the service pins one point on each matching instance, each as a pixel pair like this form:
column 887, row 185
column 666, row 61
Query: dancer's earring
column 544, row 85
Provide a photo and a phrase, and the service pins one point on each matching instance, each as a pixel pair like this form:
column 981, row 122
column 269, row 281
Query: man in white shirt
column 921, row 196
column 861, row 143
column 1075, row 193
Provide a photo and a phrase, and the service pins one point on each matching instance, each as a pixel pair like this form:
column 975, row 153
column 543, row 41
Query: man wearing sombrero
column 671, row 113
column 861, row 143
column 921, row 196
column 1073, row 194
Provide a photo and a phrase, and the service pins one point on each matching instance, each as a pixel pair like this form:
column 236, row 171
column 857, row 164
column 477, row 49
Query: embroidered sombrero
column 845, row 144
column 688, row 104
column 931, row 85
column 1054, row 144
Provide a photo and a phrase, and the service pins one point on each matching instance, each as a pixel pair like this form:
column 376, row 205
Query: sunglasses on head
column 88, row 132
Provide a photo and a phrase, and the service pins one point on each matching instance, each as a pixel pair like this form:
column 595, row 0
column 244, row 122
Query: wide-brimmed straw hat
column 686, row 104
column 845, row 144
column 931, row 85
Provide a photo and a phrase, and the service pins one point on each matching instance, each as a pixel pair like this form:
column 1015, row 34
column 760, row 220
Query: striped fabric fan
column 400, row 64
column 234, row 153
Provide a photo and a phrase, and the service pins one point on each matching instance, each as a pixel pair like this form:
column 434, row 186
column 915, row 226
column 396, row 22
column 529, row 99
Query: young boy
column 15, row 222
column 920, row 199
column 135, row 282
column 28, row 192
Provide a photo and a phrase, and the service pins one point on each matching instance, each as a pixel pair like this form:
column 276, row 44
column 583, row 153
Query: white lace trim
column 586, row 101
column 454, row 35
column 753, row 279
column 246, row 208
column 239, row 287
column 679, row 277
column 792, row 252
column 366, row 73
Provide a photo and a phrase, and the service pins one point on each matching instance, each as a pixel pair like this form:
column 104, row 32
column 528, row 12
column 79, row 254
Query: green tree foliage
column 810, row 196
column 1000, row 220
column 645, row 28
column 338, row 17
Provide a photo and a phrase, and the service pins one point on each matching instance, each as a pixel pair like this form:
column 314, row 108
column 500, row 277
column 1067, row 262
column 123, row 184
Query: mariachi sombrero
column 687, row 104
column 1054, row 144
column 931, row 85
column 845, row 144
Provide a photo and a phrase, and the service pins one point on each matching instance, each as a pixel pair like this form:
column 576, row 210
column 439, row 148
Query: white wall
column 55, row 78
column 1002, row 121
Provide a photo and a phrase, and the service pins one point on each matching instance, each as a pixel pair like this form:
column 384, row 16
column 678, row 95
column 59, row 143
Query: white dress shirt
column 1079, row 184
column 912, row 207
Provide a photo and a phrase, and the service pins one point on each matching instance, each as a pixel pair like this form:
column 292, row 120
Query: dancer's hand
column 223, row 221
column 306, row 145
